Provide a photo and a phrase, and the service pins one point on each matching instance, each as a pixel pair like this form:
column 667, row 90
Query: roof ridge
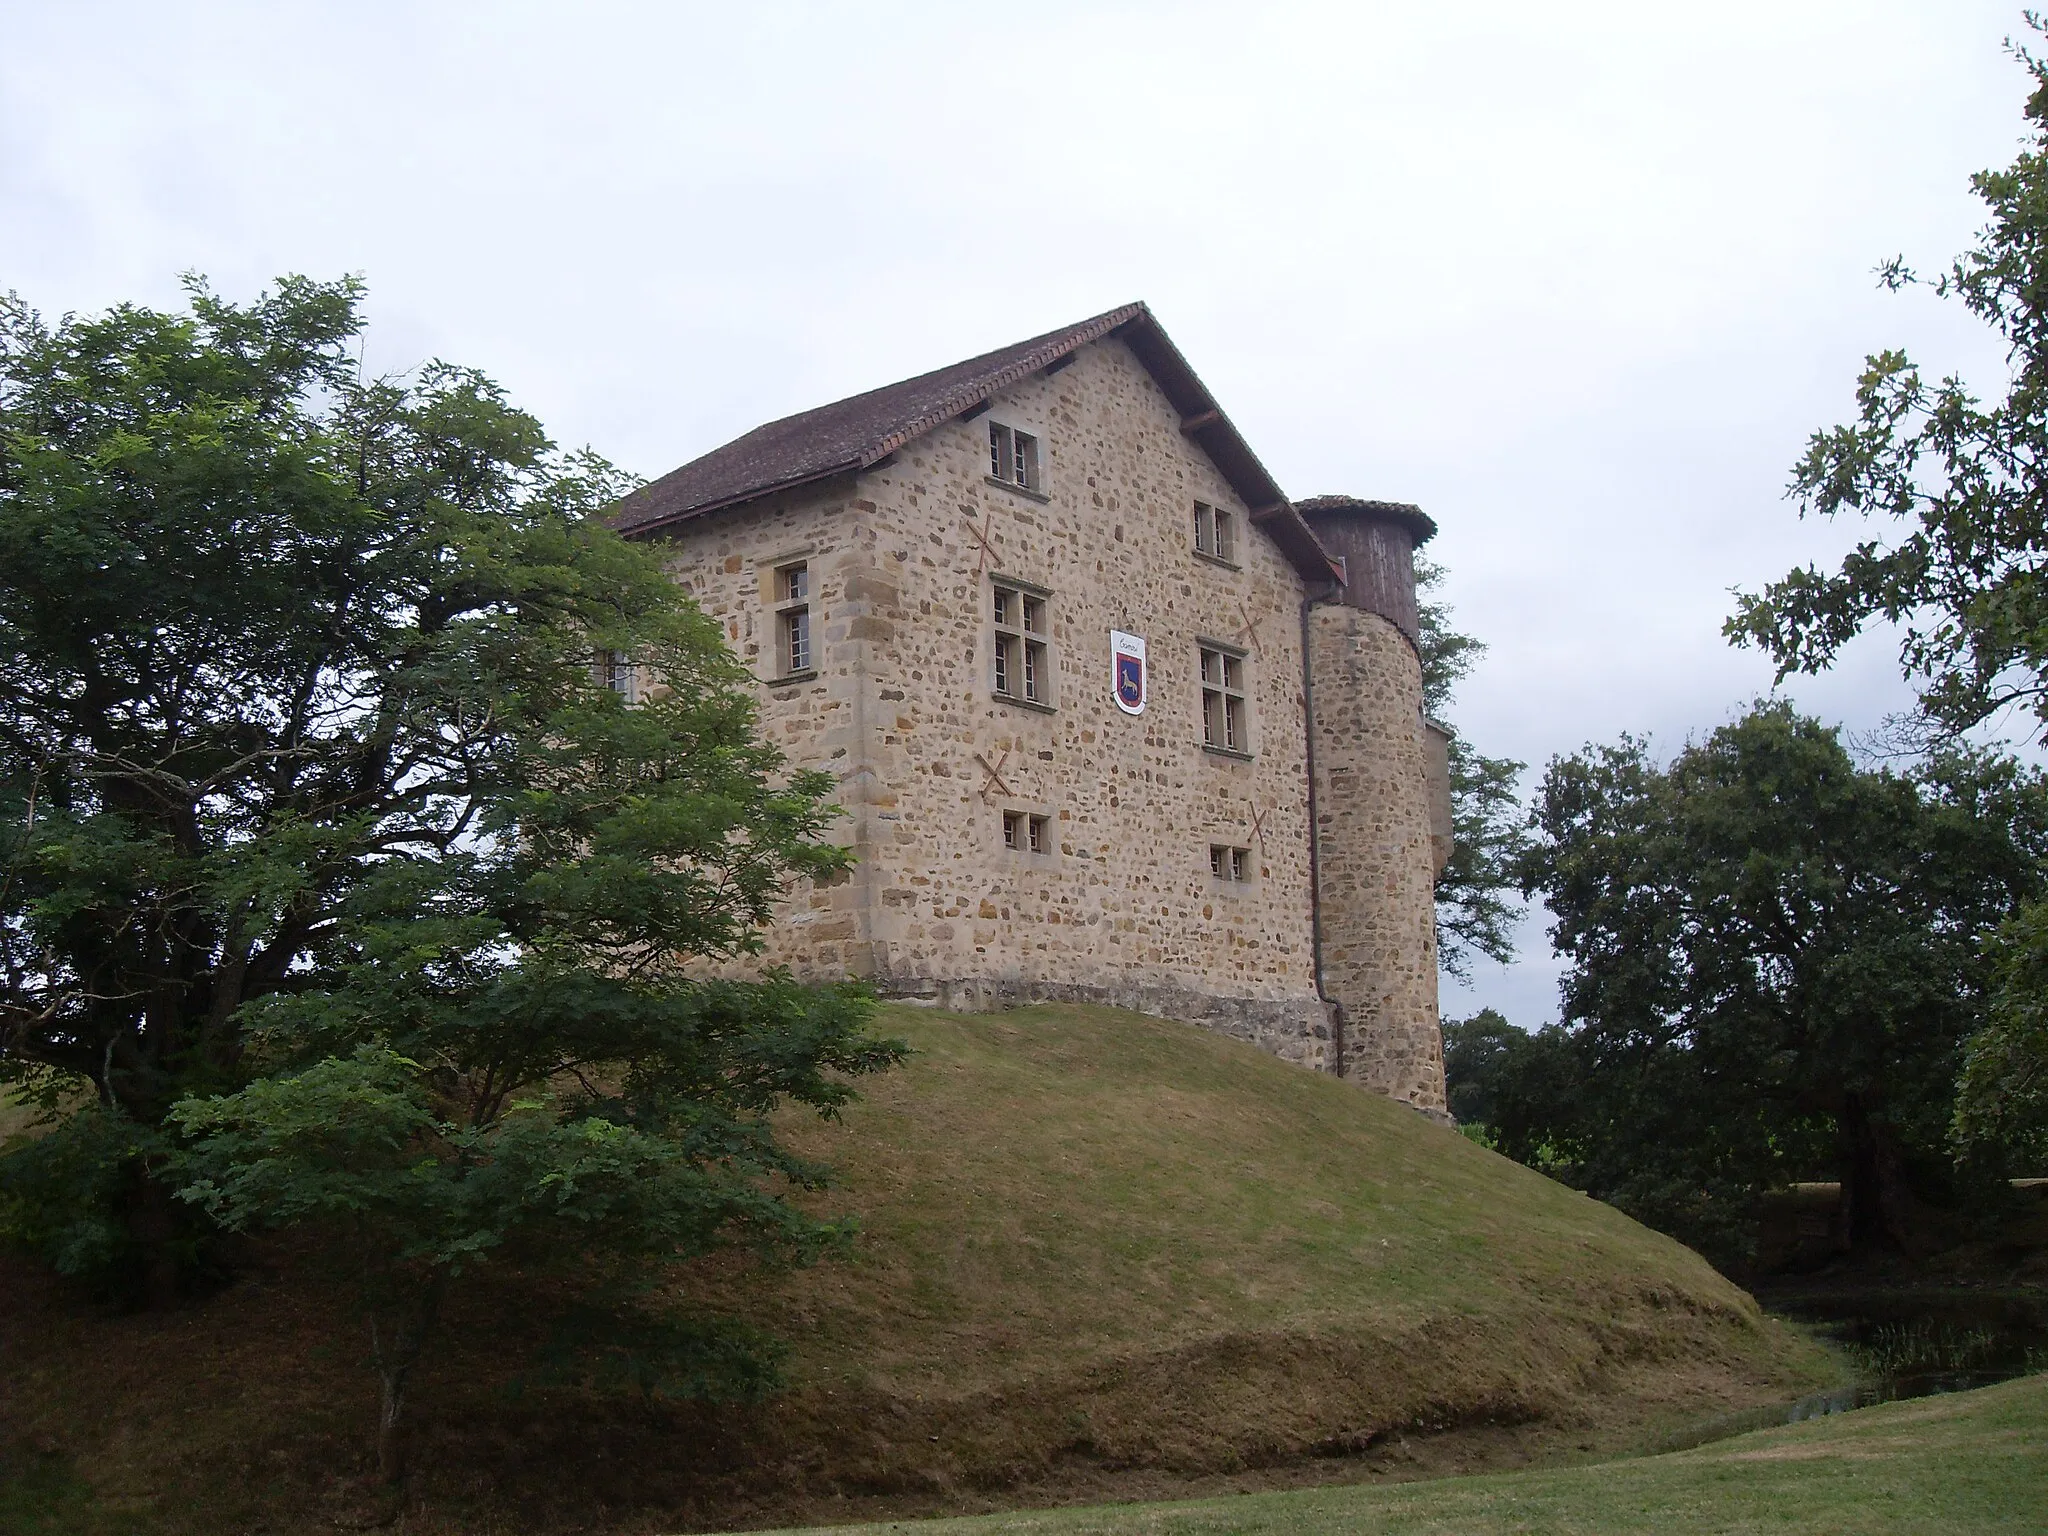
column 1055, row 344
column 965, row 362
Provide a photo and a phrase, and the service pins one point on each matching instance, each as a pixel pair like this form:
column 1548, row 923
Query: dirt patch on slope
column 254, row 1411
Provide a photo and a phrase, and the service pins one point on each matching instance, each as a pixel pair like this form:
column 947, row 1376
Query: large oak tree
column 1776, row 958
column 340, row 886
column 1956, row 480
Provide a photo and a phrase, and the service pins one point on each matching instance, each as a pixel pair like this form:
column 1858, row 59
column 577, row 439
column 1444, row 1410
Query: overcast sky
column 1577, row 278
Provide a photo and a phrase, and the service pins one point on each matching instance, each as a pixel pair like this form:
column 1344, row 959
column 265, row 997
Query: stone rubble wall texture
column 1376, row 860
column 727, row 562
column 1124, row 910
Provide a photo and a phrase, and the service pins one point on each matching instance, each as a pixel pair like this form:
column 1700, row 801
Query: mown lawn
column 1972, row 1462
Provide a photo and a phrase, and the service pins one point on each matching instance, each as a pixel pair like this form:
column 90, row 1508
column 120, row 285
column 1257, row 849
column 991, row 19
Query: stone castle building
column 1114, row 720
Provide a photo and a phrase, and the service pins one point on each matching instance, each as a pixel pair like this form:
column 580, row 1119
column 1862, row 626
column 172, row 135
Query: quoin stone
column 937, row 584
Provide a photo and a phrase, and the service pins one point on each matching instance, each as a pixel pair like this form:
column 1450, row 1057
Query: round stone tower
column 1382, row 801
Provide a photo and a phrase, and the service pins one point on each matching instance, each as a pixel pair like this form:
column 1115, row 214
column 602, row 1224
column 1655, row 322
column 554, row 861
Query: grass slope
column 1974, row 1462
column 15, row 1118
column 1103, row 1255
column 1101, row 1236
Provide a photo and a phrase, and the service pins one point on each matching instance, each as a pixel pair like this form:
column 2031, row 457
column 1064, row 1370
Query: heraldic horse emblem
column 1127, row 671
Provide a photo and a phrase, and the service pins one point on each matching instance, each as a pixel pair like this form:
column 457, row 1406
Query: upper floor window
column 1022, row 644
column 1224, row 722
column 793, row 618
column 1013, row 456
column 1215, row 532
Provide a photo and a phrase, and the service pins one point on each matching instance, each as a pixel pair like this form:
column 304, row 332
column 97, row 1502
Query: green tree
column 1474, row 911
column 2002, row 1096
column 334, row 870
column 1476, row 1053
column 1961, row 480
column 1775, row 960
column 1524, row 1095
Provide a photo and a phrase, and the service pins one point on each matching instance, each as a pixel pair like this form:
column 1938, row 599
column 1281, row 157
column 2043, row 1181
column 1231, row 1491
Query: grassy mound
column 1101, row 1237
column 1950, row 1466
column 1102, row 1255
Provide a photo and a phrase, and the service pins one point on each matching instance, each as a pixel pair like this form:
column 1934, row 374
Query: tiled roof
column 1420, row 525
column 858, row 432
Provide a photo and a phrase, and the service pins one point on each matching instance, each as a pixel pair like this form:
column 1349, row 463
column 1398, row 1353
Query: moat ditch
column 1901, row 1343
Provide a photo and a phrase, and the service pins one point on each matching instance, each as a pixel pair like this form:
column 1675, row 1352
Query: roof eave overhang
column 740, row 499
column 1212, row 430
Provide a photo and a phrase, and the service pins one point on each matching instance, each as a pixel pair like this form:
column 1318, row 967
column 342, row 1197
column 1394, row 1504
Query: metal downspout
column 1315, row 874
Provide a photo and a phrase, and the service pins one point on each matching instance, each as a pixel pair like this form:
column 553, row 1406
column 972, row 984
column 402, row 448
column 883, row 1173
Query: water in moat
column 1904, row 1344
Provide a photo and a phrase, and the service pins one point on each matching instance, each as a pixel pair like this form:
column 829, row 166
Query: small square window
column 1012, row 456
column 1027, row 833
column 1228, row 863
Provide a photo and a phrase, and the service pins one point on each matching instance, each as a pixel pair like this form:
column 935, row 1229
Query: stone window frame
column 1028, row 832
column 1022, row 657
column 792, row 610
column 1241, row 693
column 1231, row 864
column 1004, row 434
column 1216, row 534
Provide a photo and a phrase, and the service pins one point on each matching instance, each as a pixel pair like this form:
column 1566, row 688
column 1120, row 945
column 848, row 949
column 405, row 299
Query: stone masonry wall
column 1124, row 908
column 727, row 563
column 1125, row 900
column 1375, row 857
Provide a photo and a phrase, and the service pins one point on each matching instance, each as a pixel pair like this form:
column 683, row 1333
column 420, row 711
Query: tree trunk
column 396, row 1338
column 390, row 1426
column 1875, row 1198
column 158, row 1228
